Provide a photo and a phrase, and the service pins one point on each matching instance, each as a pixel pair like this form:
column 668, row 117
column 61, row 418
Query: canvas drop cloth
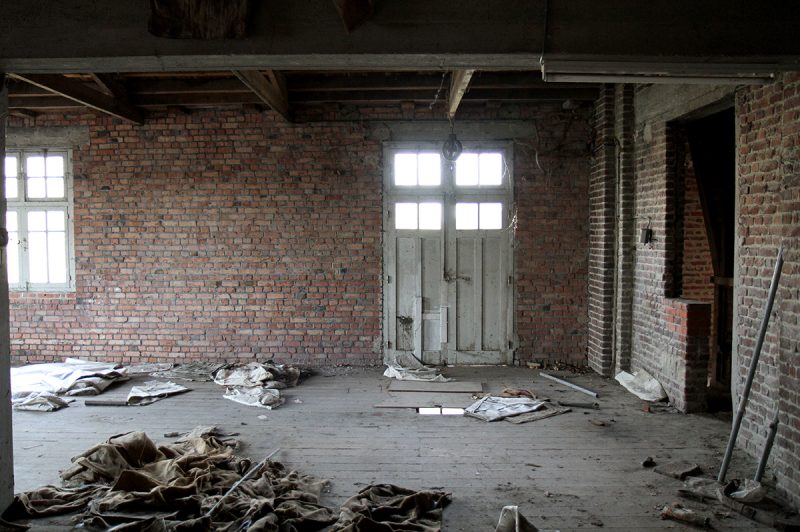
column 642, row 385
column 493, row 408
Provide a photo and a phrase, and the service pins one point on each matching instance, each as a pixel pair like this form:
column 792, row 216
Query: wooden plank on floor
column 426, row 399
column 438, row 387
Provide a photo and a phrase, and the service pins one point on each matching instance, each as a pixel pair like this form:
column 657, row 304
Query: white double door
column 448, row 263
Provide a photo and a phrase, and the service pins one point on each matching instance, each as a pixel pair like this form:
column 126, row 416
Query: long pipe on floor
column 762, row 465
column 258, row 466
column 737, row 422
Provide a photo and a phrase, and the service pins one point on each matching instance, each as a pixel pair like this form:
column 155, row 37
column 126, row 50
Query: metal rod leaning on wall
column 762, row 465
column 737, row 422
column 567, row 383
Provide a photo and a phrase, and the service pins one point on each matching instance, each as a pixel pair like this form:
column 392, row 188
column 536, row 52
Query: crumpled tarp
column 198, row 371
column 513, row 521
column 642, row 385
column 261, row 397
column 35, row 386
column 493, row 408
column 130, row 480
column 389, row 508
column 265, row 375
column 152, row 391
column 407, row 367
column 39, row 401
column 130, row 483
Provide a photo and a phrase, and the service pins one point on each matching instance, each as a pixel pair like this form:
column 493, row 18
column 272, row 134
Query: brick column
column 689, row 323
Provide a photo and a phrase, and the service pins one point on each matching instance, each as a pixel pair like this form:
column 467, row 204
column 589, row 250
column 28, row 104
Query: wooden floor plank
column 436, row 387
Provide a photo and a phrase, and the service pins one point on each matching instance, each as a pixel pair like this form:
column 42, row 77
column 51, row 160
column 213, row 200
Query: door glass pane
column 37, row 221
column 405, row 215
column 491, row 216
column 430, row 216
column 491, row 169
column 11, row 221
column 467, row 170
column 55, row 187
column 36, row 187
column 34, row 166
column 466, row 216
column 57, row 256
column 37, row 256
column 11, row 166
column 12, row 253
column 55, row 166
column 11, row 187
column 430, row 170
column 405, row 169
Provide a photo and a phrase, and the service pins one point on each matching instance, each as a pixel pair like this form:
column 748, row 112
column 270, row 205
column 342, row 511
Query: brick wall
column 697, row 266
column 768, row 182
column 230, row 234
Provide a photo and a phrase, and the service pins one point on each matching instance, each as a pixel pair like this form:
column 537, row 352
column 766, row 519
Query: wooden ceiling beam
column 270, row 89
column 459, row 82
column 80, row 93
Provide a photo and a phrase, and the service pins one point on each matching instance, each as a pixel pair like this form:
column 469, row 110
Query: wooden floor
column 564, row 472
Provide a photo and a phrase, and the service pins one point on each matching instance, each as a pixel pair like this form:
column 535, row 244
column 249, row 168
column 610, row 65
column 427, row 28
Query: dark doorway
column 712, row 146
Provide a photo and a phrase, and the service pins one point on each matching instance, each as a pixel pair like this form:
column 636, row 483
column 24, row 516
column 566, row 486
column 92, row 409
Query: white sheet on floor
column 261, row 397
column 39, row 401
column 642, row 385
column 152, row 391
column 71, row 377
column 493, row 408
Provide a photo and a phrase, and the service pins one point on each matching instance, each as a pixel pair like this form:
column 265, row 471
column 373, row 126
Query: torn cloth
column 389, row 508
column 71, row 377
column 493, row 408
column 642, row 385
column 39, row 401
column 152, row 391
column 129, row 480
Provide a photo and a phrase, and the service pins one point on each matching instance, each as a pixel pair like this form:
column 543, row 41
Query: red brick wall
column 230, row 234
column 768, row 181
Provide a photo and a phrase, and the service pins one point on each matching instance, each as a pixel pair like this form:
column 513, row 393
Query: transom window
column 39, row 220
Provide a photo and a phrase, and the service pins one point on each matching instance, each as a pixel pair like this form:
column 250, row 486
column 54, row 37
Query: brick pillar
column 689, row 323
column 601, row 236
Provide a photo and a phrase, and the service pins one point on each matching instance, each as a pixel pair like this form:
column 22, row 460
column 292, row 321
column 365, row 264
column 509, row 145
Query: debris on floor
column 513, row 521
column 149, row 367
column 494, row 408
column 407, row 367
column 749, row 491
column 517, row 392
column 268, row 398
column 257, row 383
column 198, row 483
column 679, row 470
column 388, row 507
column 40, row 401
column 72, row 377
column 152, row 391
column 197, row 371
column 569, row 384
column 677, row 512
column 648, row 462
column 642, row 385
column 548, row 410
column 588, row 406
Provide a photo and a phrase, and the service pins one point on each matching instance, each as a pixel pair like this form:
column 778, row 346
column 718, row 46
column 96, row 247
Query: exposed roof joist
column 269, row 88
column 76, row 91
column 459, row 81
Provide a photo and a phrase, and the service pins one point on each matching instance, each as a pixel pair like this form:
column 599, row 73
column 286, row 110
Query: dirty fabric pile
column 257, row 383
column 152, row 391
column 407, row 367
column 130, row 480
column 494, row 408
column 197, row 371
column 642, row 385
column 391, row 508
column 130, row 483
column 33, row 386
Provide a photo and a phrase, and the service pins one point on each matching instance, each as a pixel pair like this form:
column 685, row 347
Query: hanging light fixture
column 452, row 147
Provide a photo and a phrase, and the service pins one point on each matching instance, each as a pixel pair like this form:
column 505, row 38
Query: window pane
column 57, row 256
column 430, row 170
column 466, row 216
column 491, row 169
column 34, row 166
column 12, row 253
column 405, row 215
column 430, row 216
column 11, row 187
column 37, row 256
column 11, row 166
column 36, row 187
column 55, row 165
column 491, row 215
column 405, row 169
column 467, row 170
column 11, row 221
column 55, row 187
column 55, row 220
column 37, row 221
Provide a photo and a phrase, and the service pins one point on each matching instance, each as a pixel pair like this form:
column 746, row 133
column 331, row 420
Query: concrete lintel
column 662, row 103
column 44, row 137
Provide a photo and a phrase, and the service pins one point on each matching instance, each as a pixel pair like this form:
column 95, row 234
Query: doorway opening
column 448, row 259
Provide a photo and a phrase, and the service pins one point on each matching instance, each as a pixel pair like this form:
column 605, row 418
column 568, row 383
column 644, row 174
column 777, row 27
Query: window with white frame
column 38, row 192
